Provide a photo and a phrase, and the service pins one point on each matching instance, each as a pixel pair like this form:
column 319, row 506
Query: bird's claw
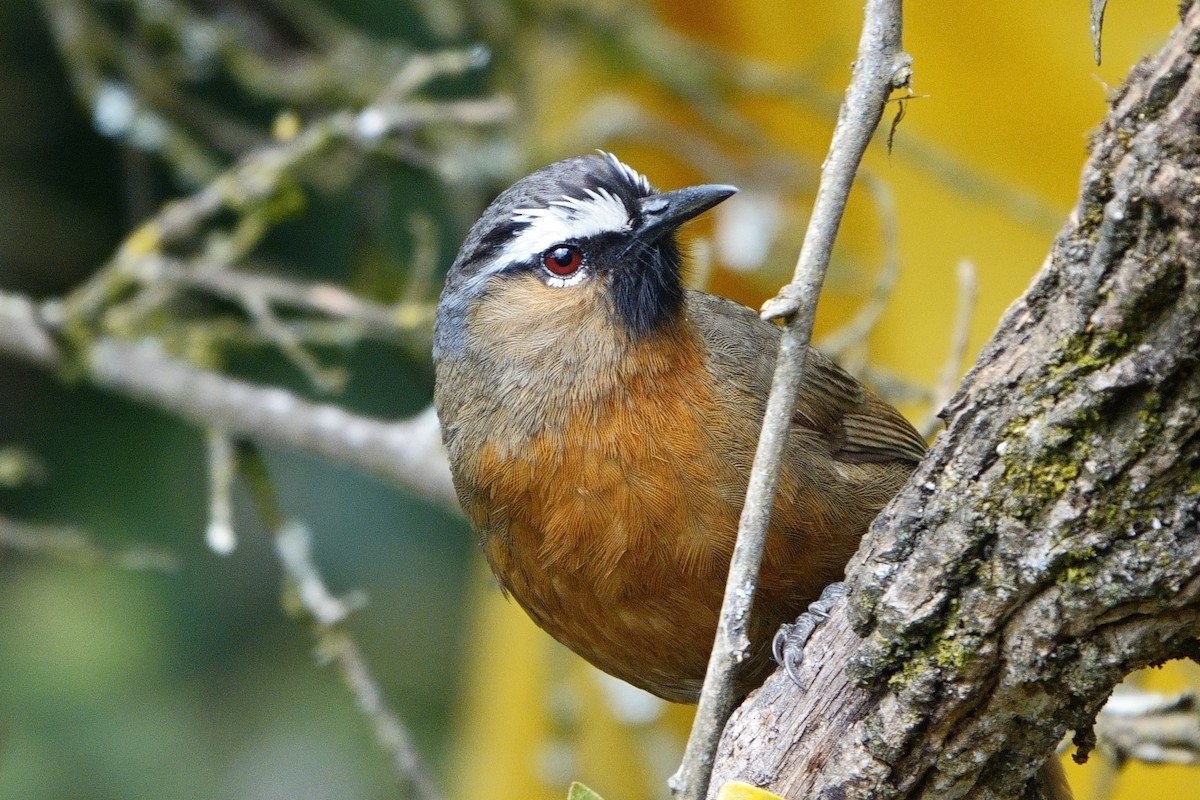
column 788, row 645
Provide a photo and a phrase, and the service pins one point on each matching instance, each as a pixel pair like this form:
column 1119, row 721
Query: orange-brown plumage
column 602, row 454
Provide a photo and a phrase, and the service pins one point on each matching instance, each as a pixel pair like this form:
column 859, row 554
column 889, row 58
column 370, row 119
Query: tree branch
column 1047, row 546
column 880, row 67
column 407, row 452
column 335, row 645
column 71, row 544
column 1153, row 728
column 307, row 595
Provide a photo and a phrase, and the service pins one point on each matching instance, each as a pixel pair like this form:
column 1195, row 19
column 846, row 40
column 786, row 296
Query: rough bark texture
column 1049, row 544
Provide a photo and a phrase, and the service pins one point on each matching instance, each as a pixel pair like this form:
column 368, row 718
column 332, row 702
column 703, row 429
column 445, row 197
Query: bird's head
column 583, row 232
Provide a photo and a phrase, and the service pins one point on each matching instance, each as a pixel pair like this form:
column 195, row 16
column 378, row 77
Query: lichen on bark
column 1049, row 543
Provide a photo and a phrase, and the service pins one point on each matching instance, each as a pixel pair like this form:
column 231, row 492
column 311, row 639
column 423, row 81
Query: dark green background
column 117, row 684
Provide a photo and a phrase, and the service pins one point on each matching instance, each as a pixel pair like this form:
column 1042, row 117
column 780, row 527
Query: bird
column 601, row 420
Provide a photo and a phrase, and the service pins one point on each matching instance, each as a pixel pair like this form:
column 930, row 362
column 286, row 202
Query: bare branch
column 855, row 331
column 1152, row 728
column 309, row 597
column 408, row 452
column 264, row 180
column 1096, row 25
column 330, row 300
column 293, row 544
column 880, row 67
column 74, row 545
column 220, row 536
column 24, row 334
column 335, row 645
column 947, row 382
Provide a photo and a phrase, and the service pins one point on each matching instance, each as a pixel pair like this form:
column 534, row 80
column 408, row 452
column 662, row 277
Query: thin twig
column 836, row 343
column 423, row 68
column 293, row 543
column 327, row 299
column 220, row 535
column 1151, row 728
column 1096, row 25
column 947, row 382
column 328, row 613
column 323, row 379
column 390, row 733
column 260, row 179
column 253, row 182
column 880, row 66
column 72, row 544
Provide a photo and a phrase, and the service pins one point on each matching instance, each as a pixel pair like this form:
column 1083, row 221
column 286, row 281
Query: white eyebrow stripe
column 563, row 220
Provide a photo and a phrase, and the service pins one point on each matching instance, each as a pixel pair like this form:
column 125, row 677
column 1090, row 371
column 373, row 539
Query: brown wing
column 857, row 426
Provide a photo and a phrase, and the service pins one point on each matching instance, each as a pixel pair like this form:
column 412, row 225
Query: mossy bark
column 1049, row 544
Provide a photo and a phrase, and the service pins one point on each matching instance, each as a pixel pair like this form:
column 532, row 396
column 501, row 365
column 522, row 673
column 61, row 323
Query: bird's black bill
column 663, row 213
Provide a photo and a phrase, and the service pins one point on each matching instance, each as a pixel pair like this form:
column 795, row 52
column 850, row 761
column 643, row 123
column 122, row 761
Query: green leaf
column 580, row 792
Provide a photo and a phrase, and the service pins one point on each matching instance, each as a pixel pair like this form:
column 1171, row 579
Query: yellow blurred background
column 984, row 168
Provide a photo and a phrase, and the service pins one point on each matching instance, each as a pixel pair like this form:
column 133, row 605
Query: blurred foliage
column 194, row 683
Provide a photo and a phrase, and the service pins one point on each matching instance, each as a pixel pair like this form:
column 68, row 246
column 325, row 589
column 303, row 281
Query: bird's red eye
column 562, row 260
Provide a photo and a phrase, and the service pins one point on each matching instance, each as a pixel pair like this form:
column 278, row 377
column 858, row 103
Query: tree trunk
column 1048, row 545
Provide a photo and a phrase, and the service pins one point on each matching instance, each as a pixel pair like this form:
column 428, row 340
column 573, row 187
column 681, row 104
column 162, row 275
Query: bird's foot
column 788, row 645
